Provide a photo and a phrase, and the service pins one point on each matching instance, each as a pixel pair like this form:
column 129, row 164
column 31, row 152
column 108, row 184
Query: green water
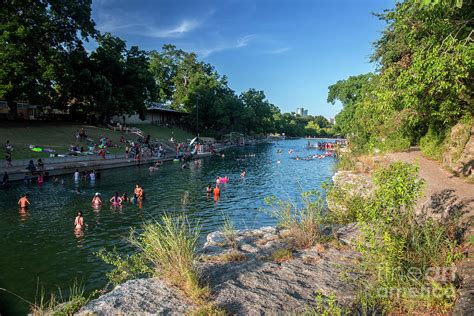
column 41, row 249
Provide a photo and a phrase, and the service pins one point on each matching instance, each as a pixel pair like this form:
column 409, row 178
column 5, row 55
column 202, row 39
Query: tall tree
column 35, row 35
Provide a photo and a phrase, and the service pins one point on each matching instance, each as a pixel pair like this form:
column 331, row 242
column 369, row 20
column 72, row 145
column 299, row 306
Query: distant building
column 301, row 112
column 332, row 120
column 156, row 113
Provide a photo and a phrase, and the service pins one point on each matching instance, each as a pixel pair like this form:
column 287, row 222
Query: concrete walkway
column 68, row 166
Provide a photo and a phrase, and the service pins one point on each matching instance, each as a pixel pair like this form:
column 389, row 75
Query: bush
column 431, row 145
column 400, row 248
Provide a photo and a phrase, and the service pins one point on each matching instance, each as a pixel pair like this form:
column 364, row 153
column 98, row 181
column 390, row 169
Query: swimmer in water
column 209, row 189
column 96, row 201
column 217, row 191
column 79, row 221
column 243, row 174
column 23, row 203
column 116, row 200
column 125, row 197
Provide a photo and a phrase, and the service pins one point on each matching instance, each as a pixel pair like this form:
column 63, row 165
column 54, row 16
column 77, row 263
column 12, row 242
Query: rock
column 460, row 150
column 215, row 239
column 143, row 296
column 257, row 287
column 253, row 286
column 348, row 234
column 248, row 248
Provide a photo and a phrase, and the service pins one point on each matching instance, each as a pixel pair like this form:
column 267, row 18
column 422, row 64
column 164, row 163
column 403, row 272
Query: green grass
column 59, row 136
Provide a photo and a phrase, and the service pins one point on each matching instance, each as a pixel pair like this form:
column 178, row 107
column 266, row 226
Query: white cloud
column 278, row 50
column 222, row 46
column 128, row 24
column 174, row 31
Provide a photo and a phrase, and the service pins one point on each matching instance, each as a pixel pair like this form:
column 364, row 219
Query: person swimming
column 243, row 174
column 209, row 189
column 125, row 197
column 116, row 200
column 23, row 202
column 79, row 221
column 96, row 201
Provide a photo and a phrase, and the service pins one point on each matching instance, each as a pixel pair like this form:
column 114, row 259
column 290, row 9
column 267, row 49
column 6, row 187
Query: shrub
column 431, row 145
column 126, row 267
column 232, row 256
column 399, row 247
column 326, row 306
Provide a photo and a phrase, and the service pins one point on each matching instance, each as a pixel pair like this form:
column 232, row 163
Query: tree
column 35, row 37
column 349, row 92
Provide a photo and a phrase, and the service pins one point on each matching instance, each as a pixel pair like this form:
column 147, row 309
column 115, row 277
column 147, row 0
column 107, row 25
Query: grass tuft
column 282, row 255
column 170, row 246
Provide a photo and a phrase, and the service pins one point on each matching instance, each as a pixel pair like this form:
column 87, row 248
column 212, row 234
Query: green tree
column 35, row 36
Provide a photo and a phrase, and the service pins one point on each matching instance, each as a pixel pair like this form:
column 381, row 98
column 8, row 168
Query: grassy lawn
column 59, row 136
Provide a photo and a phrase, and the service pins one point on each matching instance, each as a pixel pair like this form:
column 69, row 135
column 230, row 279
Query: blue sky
column 291, row 49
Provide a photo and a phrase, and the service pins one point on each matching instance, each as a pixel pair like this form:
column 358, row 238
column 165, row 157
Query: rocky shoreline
column 254, row 284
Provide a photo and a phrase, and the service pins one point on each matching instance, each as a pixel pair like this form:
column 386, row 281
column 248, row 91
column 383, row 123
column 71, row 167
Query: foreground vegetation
column 407, row 258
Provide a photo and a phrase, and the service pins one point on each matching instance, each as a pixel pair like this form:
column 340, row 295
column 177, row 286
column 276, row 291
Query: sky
column 291, row 49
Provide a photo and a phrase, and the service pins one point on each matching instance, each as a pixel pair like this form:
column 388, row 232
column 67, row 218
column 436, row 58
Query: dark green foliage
column 423, row 84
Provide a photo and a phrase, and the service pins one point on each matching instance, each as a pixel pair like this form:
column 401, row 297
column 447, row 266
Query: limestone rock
column 141, row 296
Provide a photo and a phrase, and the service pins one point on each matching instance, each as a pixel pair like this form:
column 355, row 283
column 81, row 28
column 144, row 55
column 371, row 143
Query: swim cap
column 97, row 193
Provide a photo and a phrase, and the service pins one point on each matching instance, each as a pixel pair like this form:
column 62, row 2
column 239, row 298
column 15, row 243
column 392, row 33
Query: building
column 156, row 113
column 301, row 112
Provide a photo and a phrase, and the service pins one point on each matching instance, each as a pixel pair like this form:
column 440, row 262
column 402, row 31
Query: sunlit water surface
column 41, row 249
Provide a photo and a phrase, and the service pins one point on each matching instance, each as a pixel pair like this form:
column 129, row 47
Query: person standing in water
column 23, row 203
column 209, row 188
column 96, row 201
column 79, row 221
column 116, row 200
column 77, row 175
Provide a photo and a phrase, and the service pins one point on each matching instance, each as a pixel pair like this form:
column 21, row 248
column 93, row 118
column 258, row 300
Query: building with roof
column 156, row 113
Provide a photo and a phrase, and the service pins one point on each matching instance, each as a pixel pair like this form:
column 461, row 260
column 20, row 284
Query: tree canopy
column 44, row 61
column 423, row 85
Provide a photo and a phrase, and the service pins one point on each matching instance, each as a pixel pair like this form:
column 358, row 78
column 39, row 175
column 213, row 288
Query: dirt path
column 437, row 179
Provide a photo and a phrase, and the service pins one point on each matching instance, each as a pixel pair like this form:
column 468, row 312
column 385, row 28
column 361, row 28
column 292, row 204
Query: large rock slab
column 253, row 286
column 142, row 296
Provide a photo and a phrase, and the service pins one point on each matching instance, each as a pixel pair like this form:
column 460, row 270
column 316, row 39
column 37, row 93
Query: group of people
column 88, row 175
column 323, row 145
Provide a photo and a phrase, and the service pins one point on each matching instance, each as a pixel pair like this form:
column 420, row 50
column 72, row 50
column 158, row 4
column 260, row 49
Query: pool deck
column 68, row 165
